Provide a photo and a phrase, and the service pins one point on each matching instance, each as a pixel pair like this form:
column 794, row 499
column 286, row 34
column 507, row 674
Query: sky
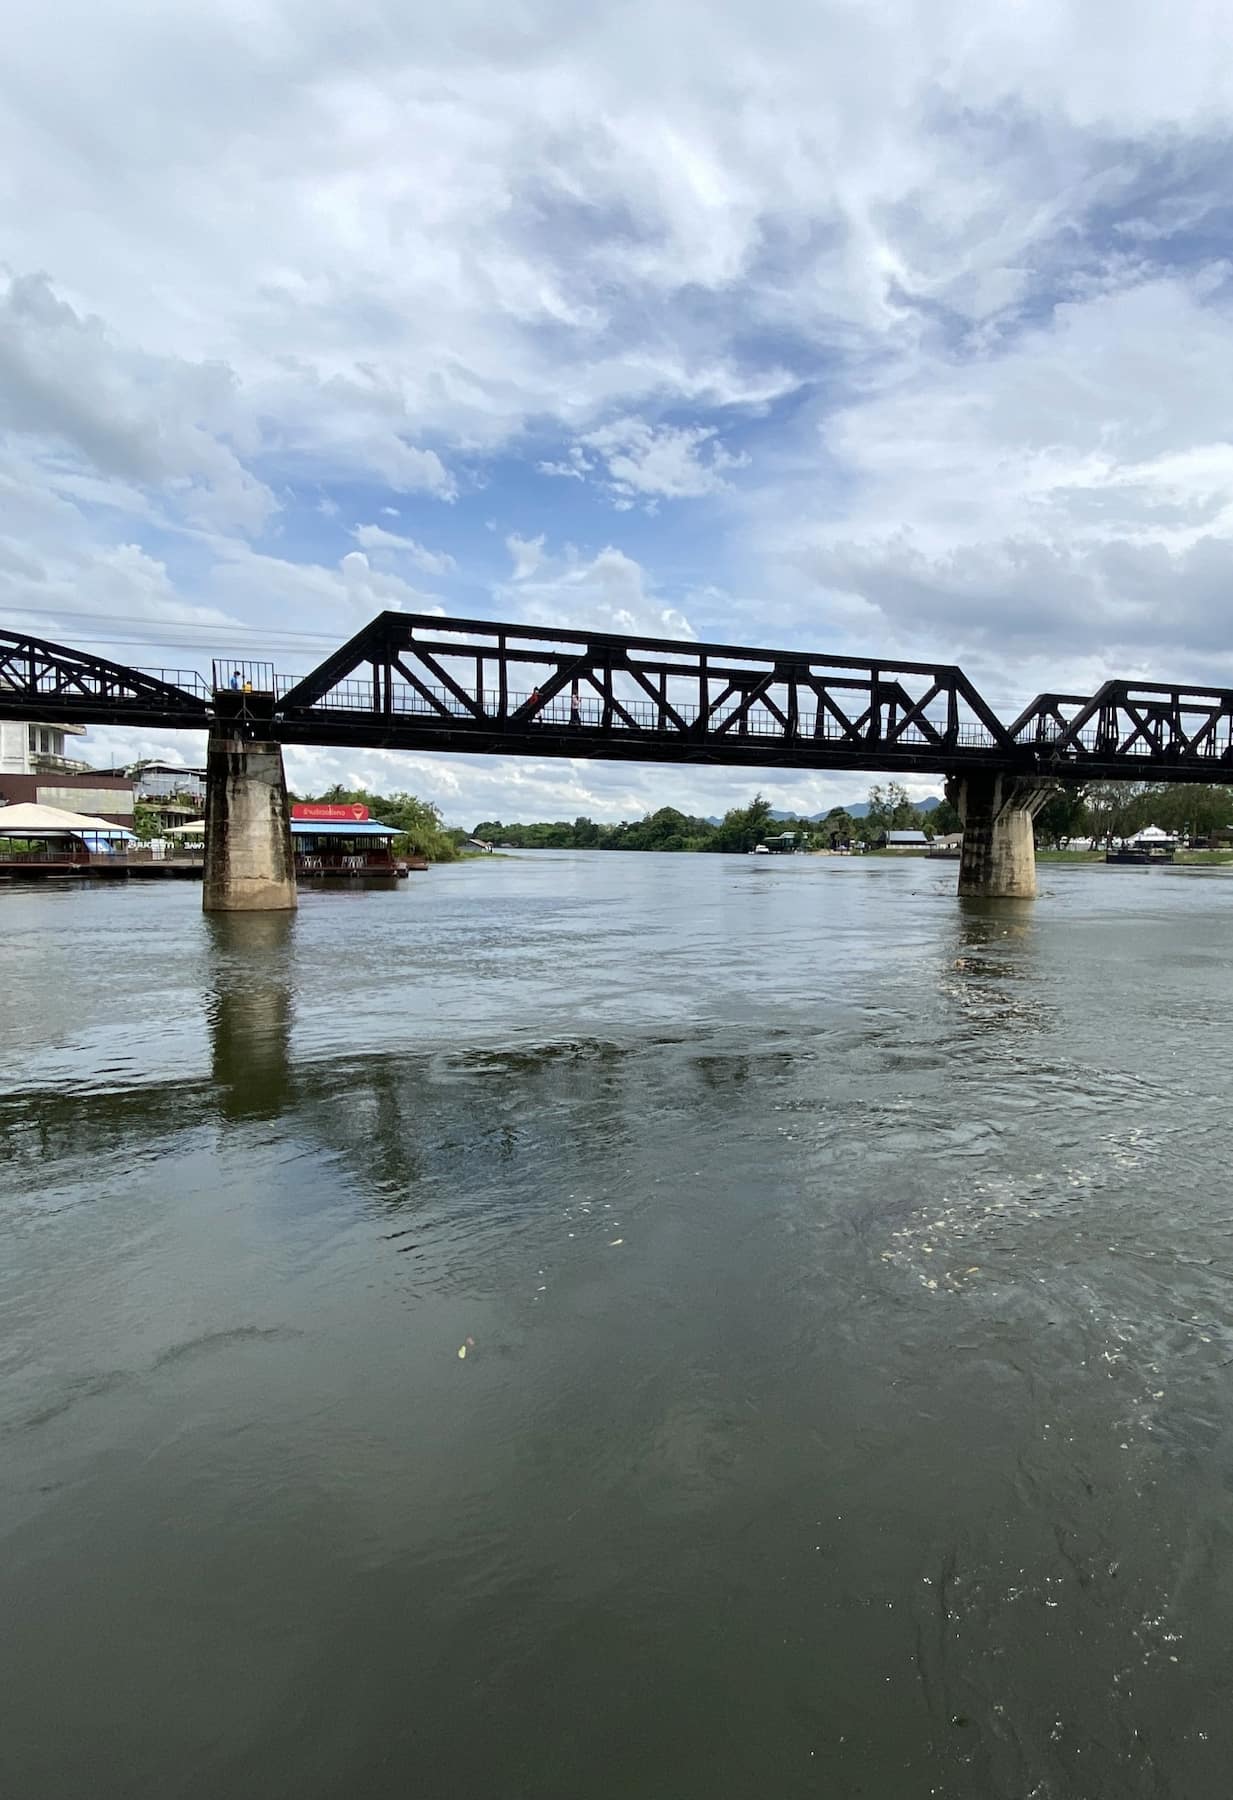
column 881, row 329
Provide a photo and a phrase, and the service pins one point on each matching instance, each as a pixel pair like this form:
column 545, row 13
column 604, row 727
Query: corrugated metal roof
column 340, row 828
column 906, row 837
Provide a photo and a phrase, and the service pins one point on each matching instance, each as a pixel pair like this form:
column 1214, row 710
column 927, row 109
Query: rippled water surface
column 844, row 1276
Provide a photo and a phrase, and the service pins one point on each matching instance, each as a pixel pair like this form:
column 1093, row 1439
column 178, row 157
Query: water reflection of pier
column 250, row 1011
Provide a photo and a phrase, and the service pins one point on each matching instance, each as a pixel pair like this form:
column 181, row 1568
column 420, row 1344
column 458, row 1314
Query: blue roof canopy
column 341, row 828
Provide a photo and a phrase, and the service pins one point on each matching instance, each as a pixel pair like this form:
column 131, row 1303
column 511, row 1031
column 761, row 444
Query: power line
column 175, row 627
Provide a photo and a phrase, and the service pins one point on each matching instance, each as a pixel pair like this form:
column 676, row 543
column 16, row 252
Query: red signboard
column 318, row 809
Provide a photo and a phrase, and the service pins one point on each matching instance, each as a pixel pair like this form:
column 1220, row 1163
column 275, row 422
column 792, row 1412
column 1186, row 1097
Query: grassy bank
column 1199, row 859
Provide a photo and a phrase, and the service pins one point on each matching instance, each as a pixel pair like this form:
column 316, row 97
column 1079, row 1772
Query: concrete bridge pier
column 249, row 863
column 998, row 861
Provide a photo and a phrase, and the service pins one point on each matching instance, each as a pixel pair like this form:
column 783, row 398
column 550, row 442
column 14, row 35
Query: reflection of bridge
column 415, row 682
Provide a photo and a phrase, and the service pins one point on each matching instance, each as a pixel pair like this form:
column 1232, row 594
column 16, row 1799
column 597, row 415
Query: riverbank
column 1200, row 859
column 1207, row 859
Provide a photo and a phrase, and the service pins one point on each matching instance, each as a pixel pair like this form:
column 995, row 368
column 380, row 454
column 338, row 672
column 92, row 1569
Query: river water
column 844, row 1275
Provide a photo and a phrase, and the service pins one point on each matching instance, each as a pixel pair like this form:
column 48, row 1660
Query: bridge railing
column 188, row 680
column 1122, row 743
column 246, row 676
column 439, row 704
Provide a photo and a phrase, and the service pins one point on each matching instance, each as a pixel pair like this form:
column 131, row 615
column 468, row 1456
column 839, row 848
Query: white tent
column 195, row 829
column 1152, row 834
column 32, row 821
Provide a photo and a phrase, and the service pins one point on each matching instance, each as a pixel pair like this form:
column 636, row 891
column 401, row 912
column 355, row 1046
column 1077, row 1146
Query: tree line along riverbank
column 1099, row 812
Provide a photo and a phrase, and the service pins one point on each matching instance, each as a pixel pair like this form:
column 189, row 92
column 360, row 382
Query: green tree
column 945, row 819
column 1117, row 809
column 1062, row 817
column 145, row 822
column 743, row 826
column 840, row 825
column 890, row 809
column 1193, row 811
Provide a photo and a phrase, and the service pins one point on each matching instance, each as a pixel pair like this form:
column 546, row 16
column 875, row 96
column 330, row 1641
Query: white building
column 163, row 781
column 38, row 749
column 35, row 771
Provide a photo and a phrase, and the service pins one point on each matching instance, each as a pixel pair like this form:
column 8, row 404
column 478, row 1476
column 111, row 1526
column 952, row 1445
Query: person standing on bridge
column 236, row 681
column 575, row 706
column 534, row 702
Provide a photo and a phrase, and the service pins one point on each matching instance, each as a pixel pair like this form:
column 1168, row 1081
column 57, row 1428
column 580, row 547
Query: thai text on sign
column 326, row 813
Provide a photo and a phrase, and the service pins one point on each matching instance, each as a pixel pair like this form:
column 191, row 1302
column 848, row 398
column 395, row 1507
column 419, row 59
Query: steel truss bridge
column 411, row 681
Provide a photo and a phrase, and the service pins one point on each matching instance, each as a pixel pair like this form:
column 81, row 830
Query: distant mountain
column 859, row 809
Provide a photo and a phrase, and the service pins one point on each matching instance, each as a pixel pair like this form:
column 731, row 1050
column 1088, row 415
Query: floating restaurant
column 330, row 840
column 47, row 840
column 342, row 840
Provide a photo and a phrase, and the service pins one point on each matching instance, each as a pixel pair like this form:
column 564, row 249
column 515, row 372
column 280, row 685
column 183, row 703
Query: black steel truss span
column 419, row 682
column 467, row 684
column 1130, row 723
column 44, row 682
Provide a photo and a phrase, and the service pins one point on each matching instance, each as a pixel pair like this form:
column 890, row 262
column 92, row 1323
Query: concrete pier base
column 998, row 861
column 249, row 862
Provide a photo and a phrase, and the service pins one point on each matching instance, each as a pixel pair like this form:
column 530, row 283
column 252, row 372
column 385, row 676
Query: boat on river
column 1151, row 845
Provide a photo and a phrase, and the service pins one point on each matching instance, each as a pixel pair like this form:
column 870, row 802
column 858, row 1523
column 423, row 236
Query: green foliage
column 890, row 810
column 840, row 825
column 1116, row 809
column 1104, row 811
column 741, row 828
column 666, row 829
column 1107, row 811
column 1194, row 811
column 556, row 834
column 145, row 822
column 745, row 826
column 1062, row 817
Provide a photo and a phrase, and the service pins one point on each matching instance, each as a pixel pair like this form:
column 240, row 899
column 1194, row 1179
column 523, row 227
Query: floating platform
column 100, row 871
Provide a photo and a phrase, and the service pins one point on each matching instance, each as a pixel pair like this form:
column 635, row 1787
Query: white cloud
column 574, row 469
column 58, row 580
column 528, row 554
column 1071, row 493
column 177, row 426
column 332, row 602
column 376, row 537
column 677, row 462
column 609, row 592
